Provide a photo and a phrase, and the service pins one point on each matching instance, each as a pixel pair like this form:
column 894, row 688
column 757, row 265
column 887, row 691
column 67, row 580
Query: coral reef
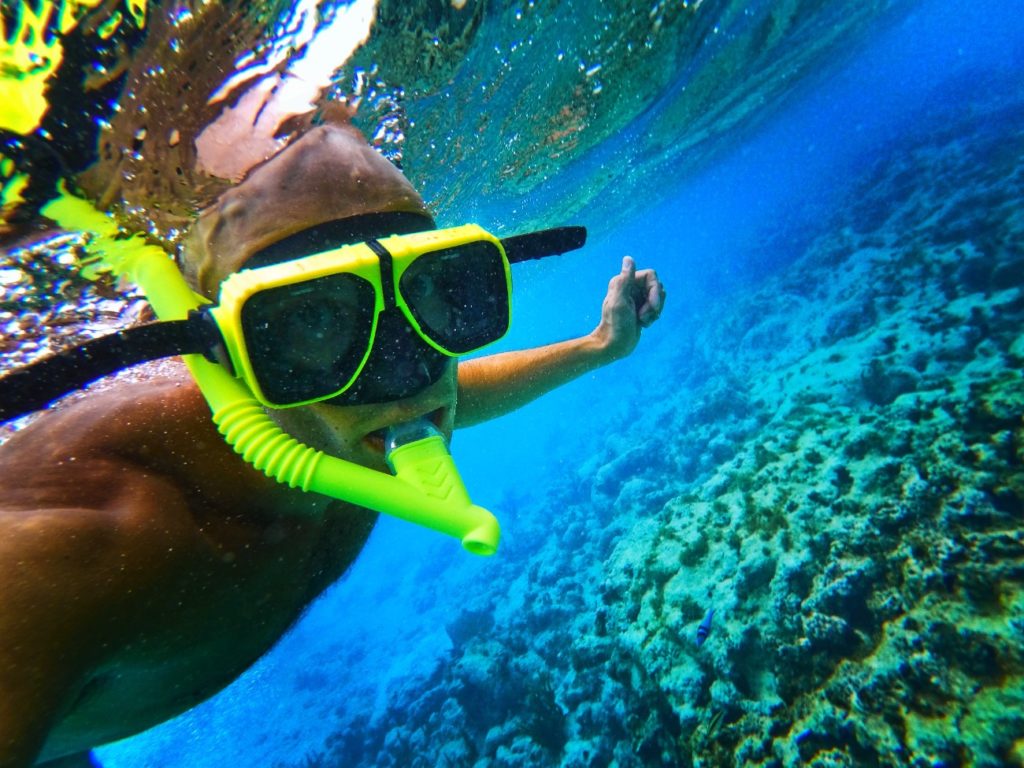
column 839, row 474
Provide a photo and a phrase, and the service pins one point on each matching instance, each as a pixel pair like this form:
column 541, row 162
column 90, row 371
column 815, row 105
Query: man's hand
column 498, row 384
column 633, row 302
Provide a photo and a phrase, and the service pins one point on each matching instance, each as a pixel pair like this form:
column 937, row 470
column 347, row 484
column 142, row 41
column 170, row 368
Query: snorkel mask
column 291, row 331
column 367, row 322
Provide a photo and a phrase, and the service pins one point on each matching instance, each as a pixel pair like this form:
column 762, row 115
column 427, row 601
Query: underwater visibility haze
column 788, row 530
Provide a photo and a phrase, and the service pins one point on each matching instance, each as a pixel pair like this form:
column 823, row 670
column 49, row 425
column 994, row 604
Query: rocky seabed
column 836, row 468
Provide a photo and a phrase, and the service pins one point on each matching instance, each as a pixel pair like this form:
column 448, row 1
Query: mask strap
column 33, row 387
column 334, row 234
column 387, row 272
column 546, row 242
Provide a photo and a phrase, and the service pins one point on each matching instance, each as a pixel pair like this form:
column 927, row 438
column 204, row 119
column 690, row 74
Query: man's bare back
column 145, row 565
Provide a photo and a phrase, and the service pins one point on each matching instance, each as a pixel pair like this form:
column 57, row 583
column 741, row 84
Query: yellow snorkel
column 426, row 488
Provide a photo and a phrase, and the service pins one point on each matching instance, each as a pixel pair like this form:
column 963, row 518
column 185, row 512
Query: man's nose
column 400, row 365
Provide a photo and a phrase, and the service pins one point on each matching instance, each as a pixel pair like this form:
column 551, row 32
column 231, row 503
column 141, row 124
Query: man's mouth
column 374, row 441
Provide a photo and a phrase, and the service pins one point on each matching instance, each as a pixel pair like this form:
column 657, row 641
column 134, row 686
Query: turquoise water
column 821, row 439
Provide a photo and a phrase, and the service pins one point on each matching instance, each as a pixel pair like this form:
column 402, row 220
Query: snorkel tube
column 426, row 488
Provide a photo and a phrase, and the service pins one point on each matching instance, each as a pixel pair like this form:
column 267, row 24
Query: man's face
column 356, row 432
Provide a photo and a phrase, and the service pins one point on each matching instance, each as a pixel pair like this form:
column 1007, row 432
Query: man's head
column 328, row 174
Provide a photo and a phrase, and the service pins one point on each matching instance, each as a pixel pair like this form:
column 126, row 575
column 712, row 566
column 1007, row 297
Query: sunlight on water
column 505, row 101
column 45, row 304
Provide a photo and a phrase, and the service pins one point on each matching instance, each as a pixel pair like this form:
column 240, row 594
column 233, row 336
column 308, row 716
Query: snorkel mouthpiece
column 418, row 455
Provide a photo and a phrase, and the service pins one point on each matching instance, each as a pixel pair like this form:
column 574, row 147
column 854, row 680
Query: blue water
column 703, row 235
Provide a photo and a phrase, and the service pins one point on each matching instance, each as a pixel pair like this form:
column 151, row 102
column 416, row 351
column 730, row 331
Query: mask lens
column 400, row 365
column 459, row 296
column 307, row 340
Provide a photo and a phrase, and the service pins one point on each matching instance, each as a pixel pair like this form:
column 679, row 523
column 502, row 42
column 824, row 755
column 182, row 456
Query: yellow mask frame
column 377, row 268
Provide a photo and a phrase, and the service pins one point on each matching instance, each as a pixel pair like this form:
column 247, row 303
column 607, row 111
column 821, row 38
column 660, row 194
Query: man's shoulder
column 149, row 382
column 148, row 427
column 112, row 414
column 163, row 389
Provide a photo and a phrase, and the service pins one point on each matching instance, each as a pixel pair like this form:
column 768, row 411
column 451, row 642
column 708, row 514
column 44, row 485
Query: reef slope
column 837, row 471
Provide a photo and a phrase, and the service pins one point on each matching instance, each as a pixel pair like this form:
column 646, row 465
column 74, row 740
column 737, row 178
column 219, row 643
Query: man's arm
column 493, row 386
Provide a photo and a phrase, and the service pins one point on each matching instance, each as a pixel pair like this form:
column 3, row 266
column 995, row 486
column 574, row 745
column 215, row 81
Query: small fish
column 705, row 627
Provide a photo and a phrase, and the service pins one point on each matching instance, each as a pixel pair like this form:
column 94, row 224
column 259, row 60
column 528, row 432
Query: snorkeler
column 144, row 564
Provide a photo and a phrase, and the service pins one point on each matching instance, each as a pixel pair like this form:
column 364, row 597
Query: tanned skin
column 144, row 565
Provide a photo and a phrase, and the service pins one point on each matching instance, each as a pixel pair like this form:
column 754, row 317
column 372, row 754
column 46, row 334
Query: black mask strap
column 334, row 234
column 35, row 386
column 402, row 366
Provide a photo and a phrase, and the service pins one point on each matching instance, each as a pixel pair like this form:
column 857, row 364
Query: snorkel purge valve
column 417, row 452
column 426, row 488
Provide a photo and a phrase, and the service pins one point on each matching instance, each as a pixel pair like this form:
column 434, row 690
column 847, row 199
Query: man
column 143, row 564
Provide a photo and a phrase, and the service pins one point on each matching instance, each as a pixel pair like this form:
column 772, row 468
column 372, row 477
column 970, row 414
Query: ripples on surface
column 46, row 305
column 521, row 115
